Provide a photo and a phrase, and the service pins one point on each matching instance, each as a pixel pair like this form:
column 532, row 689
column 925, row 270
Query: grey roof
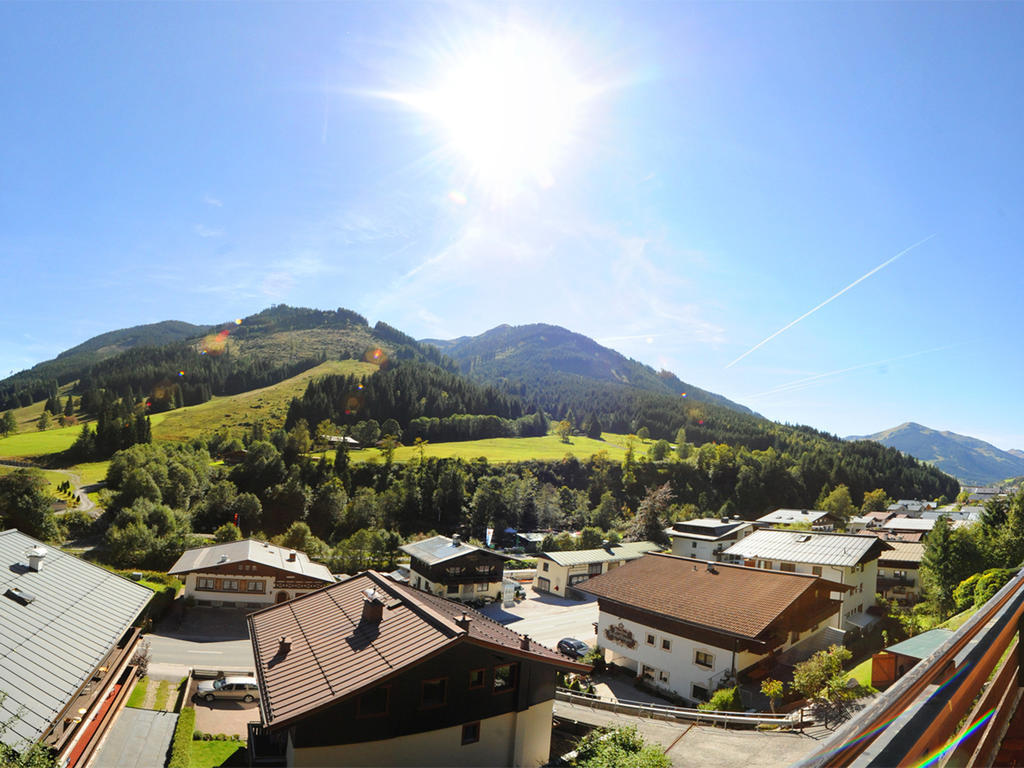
column 921, row 645
column 839, row 549
column 630, row 551
column 49, row 647
column 250, row 551
column 532, row 537
column 909, row 524
column 438, row 549
column 707, row 529
column 788, row 516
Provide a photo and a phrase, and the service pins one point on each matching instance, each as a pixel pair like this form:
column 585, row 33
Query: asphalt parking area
column 547, row 619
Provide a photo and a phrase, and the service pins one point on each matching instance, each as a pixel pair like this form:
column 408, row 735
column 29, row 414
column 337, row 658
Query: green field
column 269, row 405
column 210, row 754
column 502, row 450
column 32, row 443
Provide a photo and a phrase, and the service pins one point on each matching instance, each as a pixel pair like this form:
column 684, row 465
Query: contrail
column 830, row 299
column 807, row 380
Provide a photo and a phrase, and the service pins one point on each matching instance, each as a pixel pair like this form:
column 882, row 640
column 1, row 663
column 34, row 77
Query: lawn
column 269, row 405
column 209, row 754
column 34, row 443
column 502, row 450
column 138, row 695
column 862, row 673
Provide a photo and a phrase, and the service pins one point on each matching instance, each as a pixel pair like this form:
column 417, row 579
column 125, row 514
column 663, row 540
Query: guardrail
column 669, row 712
column 931, row 710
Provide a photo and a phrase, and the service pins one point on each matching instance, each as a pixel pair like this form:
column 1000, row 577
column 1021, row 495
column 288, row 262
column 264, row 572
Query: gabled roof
column 334, row 655
column 909, row 524
column 629, row 551
column 50, row 646
column 439, row 549
column 839, row 549
column 902, row 552
column 251, row 551
column 790, row 516
column 707, row 529
column 921, row 645
column 723, row 598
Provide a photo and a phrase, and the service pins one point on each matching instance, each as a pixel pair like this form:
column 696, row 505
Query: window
column 477, row 678
column 700, row 693
column 453, row 589
column 471, row 733
column 255, row 586
column 650, row 639
column 594, row 569
column 787, row 567
column 794, row 636
column 662, row 676
column 456, row 570
column 374, row 703
column 702, row 659
column 666, row 644
column 229, row 585
column 505, row 677
column 693, row 544
column 434, row 693
column 767, row 564
column 545, row 566
column 816, row 570
column 578, row 578
column 482, row 586
column 205, row 584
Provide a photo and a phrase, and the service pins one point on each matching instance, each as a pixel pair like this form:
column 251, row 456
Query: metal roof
column 438, row 549
column 921, row 645
column 724, row 598
column 909, row 524
column 251, row 551
column 52, row 645
column 707, row 529
column 902, row 552
column 840, row 549
column 789, row 516
column 334, row 654
column 628, row 551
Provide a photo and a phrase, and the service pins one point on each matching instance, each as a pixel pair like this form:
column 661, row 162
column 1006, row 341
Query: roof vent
column 292, row 555
column 373, row 606
column 35, row 558
column 284, row 644
column 223, row 559
column 606, row 545
column 456, row 541
column 711, row 567
column 464, row 621
column 724, row 519
column 19, row 596
column 524, row 642
column 803, row 537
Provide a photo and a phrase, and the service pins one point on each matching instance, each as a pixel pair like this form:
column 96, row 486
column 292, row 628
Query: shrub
column 724, row 700
column 991, row 581
column 77, row 523
column 963, row 595
column 181, row 745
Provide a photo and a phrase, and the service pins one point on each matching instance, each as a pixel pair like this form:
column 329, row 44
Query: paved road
column 698, row 746
column 226, row 654
column 139, row 738
column 207, row 638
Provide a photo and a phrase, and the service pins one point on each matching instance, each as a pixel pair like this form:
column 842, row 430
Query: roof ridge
column 741, row 567
column 414, row 602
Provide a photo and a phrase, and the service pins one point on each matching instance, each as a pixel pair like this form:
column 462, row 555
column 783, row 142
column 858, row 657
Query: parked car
column 572, row 647
column 243, row 688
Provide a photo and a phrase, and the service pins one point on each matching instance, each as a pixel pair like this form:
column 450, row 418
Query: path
column 84, row 502
column 139, row 738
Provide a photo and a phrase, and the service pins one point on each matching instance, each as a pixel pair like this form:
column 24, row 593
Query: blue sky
column 695, row 177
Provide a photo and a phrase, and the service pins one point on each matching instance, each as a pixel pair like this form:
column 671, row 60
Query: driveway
column 230, row 717
column 547, row 619
column 139, row 738
column 205, row 638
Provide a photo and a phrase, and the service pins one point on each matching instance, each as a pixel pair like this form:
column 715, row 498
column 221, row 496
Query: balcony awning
column 862, row 620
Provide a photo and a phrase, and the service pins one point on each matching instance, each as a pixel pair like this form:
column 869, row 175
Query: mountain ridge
column 969, row 459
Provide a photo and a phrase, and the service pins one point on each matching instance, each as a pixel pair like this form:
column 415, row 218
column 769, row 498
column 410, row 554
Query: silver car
column 243, row 688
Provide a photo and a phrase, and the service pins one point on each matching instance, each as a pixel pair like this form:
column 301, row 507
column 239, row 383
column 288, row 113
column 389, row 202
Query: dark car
column 570, row 646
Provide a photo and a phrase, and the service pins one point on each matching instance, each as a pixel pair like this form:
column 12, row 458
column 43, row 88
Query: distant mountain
column 968, row 459
column 549, row 353
column 1016, row 452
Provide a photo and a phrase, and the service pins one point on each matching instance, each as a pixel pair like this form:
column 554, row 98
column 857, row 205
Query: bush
column 991, row 581
column 724, row 700
column 620, row 747
column 963, row 595
column 181, row 744
column 77, row 523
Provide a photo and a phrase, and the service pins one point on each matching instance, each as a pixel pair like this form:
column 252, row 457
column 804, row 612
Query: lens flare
column 215, row 343
column 181, row 373
column 933, row 758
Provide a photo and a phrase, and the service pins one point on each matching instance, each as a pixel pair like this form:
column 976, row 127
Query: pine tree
column 69, row 409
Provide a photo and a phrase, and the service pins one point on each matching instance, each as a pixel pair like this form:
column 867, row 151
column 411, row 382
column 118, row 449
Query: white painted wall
column 863, row 579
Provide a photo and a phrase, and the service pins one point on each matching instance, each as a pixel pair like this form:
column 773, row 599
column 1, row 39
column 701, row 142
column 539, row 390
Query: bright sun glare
column 509, row 109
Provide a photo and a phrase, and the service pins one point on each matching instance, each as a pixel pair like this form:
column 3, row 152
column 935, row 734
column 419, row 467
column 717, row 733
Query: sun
column 508, row 109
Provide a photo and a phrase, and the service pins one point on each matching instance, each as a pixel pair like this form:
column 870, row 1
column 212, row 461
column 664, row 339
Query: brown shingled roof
column 333, row 655
column 731, row 598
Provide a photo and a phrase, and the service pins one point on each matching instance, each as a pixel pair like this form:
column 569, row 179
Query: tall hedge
column 181, row 746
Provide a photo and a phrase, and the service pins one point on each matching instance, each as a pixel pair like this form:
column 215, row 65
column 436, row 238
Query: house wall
column 863, row 578
column 904, row 593
column 510, row 739
column 702, row 549
column 272, row 586
column 489, row 590
column 560, row 576
column 480, row 578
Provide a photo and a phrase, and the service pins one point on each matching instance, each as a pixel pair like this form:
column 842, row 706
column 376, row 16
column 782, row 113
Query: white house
column 558, row 572
column 704, row 539
column 248, row 574
column 818, row 519
column 692, row 626
column 846, row 559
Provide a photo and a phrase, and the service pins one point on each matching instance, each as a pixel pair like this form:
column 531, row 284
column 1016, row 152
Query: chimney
column 606, row 545
column 373, row 607
column 464, row 621
column 35, row 558
column 456, row 541
column 524, row 642
column 284, row 644
column 711, row 567
column 292, row 555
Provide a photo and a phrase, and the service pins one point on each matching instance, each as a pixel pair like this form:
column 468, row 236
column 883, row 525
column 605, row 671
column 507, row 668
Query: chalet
column 817, row 519
column 911, row 525
column 455, row 569
column 690, row 626
column 559, row 572
column 371, row 672
column 899, row 571
column 68, row 631
column 705, row 539
column 848, row 559
column 248, row 574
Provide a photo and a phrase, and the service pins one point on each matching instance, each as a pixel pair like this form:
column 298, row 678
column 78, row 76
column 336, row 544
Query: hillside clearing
column 31, row 444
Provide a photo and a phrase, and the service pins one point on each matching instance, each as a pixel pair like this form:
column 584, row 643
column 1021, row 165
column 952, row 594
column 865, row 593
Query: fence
column 668, row 712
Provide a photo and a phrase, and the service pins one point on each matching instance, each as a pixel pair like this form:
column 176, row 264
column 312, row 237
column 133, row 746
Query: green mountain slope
column 966, row 458
column 542, row 357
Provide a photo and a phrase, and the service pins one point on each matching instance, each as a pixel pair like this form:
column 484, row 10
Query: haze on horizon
column 807, row 208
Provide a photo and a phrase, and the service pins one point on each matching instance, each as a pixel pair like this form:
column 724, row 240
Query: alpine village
column 296, row 539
